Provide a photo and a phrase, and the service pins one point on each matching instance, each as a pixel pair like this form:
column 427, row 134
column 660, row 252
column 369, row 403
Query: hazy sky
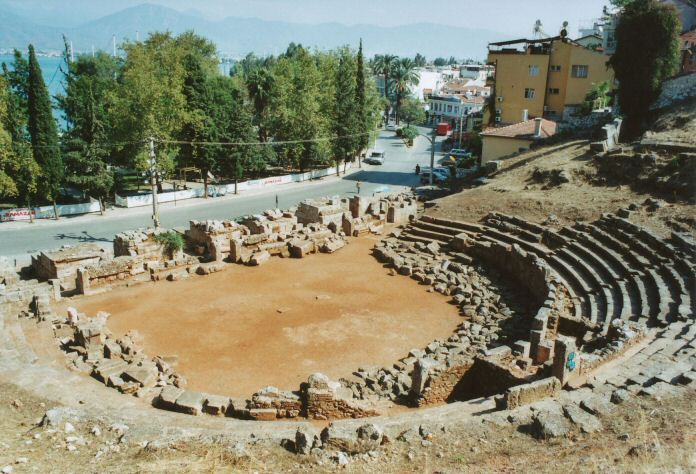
column 515, row 17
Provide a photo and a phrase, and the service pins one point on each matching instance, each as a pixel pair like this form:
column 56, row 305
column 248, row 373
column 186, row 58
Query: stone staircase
column 611, row 268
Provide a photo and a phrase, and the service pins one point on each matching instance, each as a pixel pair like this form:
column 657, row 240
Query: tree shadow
column 83, row 237
column 394, row 178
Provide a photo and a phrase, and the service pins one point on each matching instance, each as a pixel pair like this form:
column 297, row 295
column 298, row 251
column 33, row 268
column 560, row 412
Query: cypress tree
column 363, row 125
column 44, row 132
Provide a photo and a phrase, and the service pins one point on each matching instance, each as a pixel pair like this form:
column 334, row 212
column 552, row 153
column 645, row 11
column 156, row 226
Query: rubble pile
column 211, row 238
column 118, row 363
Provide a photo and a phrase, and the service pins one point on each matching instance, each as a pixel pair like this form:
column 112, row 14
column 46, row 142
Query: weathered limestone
column 62, row 264
column 212, row 238
column 326, row 400
column 531, row 392
column 565, row 359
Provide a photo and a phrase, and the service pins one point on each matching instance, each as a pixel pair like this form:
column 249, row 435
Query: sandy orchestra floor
column 242, row 329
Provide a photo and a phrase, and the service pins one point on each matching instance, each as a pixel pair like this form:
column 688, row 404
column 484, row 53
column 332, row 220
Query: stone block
column 521, row 348
column 301, row 248
column 145, row 376
column 259, row 258
column 167, row 397
column 263, row 414
column 543, row 353
column 531, row 392
column 216, row 405
column 190, row 402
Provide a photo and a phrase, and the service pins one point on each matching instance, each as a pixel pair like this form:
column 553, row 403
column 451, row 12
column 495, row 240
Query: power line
column 282, row 142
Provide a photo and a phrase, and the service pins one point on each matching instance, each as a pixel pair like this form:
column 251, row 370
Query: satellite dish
column 564, row 30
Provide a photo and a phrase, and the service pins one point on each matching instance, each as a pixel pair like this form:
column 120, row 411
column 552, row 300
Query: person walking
column 418, row 169
column 357, row 185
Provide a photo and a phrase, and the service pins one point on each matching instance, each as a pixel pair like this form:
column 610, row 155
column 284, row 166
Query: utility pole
column 92, row 50
column 432, row 154
column 72, row 52
column 113, row 41
column 461, row 128
column 153, row 184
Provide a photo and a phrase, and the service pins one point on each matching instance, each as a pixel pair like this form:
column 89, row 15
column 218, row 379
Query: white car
column 375, row 158
column 391, row 127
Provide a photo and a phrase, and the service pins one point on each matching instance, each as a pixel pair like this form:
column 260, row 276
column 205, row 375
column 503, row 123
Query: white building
column 453, row 108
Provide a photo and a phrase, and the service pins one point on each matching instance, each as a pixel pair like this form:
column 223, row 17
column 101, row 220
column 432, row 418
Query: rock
column 7, row 470
column 69, row 428
column 596, row 405
column 645, row 449
column 342, row 459
column 586, row 422
column 190, row 402
column 547, row 425
column 259, row 258
column 370, row 432
column 619, row 396
column 304, row 440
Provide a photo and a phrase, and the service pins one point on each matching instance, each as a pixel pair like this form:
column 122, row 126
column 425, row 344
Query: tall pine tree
column 362, row 140
column 346, row 117
column 44, row 132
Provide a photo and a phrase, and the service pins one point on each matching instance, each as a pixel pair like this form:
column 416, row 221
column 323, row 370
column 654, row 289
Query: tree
column 88, row 82
column 364, row 125
column 19, row 172
column 647, row 53
column 346, row 119
column 44, row 133
column 384, row 64
column 298, row 109
column 419, row 60
column 149, row 102
column 260, row 87
column 440, row 62
column 404, row 76
column 412, row 111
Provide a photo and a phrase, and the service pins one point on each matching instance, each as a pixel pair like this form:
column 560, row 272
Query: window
column 554, row 91
column 533, row 70
column 580, row 71
column 555, row 68
column 449, row 108
column 529, row 93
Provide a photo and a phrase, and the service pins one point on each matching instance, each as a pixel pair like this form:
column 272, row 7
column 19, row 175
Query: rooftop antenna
column 564, row 30
column 539, row 30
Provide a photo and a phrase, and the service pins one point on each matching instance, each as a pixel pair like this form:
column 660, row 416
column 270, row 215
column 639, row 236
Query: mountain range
column 238, row 36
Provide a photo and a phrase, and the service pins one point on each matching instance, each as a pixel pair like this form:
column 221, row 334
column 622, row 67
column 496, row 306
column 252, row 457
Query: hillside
column 239, row 36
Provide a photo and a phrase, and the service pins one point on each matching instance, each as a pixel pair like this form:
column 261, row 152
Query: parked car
column 440, row 176
column 375, row 158
column 391, row 127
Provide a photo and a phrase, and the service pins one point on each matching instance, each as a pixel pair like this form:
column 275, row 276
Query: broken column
column 565, row 359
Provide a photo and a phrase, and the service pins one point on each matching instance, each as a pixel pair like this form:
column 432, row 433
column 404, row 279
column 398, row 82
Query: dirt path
column 248, row 327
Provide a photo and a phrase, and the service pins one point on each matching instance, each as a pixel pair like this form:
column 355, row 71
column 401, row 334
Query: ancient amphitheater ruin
column 588, row 315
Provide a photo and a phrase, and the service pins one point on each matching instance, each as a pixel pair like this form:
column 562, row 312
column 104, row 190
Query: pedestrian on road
column 357, row 185
column 417, row 169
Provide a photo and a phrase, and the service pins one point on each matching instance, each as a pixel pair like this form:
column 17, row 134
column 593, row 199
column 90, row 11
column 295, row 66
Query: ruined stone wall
column 530, row 392
column 62, row 264
column 140, row 244
column 442, row 386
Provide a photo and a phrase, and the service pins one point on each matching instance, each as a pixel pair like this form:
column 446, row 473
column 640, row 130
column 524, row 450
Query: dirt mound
column 527, row 186
column 653, row 172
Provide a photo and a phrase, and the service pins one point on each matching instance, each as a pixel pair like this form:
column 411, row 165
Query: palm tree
column 384, row 64
column 259, row 83
column 404, row 76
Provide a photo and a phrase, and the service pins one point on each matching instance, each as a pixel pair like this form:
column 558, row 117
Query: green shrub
column 399, row 132
column 171, row 241
column 409, row 133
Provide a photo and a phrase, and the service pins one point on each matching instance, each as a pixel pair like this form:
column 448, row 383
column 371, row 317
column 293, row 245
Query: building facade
column 543, row 78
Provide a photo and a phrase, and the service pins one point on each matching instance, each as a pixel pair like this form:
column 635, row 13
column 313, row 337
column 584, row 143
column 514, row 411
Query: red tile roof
column 522, row 130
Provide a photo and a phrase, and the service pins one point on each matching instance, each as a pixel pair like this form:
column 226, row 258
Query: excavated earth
column 245, row 328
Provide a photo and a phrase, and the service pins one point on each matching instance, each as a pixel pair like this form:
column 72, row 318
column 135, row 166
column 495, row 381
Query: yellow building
column 543, row 78
column 500, row 142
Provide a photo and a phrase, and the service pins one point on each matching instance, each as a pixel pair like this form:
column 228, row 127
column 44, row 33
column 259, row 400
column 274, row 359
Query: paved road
column 19, row 240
